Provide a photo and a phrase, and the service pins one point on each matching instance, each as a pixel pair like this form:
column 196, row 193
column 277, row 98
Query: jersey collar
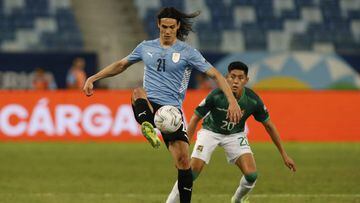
column 171, row 47
column 242, row 94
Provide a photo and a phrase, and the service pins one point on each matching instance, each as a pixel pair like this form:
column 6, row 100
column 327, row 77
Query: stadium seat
column 303, row 23
column 232, row 40
column 355, row 28
column 38, row 25
column 243, row 14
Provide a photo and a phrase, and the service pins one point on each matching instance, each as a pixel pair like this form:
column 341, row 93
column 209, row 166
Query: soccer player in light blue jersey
column 168, row 63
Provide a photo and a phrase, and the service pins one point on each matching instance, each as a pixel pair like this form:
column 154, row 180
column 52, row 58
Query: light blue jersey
column 167, row 70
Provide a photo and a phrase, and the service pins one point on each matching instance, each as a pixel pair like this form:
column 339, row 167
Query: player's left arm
column 234, row 112
column 274, row 134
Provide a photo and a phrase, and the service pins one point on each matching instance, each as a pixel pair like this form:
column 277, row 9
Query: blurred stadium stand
column 37, row 25
column 109, row 28
column 112, row 28
column 276, row 25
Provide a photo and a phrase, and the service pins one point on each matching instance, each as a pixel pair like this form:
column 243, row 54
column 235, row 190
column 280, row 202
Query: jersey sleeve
column 205, row 105
column 135, row 55
column 261, row 113
column 196, row 60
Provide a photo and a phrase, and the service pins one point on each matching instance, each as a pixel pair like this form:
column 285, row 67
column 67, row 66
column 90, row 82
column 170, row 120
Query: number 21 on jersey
column 161, row 65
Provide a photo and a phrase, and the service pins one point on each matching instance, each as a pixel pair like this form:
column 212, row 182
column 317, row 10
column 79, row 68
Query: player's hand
column 289, row 163
column 88, row 87
column 234, row 113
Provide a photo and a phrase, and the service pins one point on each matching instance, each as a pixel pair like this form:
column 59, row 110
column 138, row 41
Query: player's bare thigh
column 140, row 93
column 180, row 153
column 246, row 163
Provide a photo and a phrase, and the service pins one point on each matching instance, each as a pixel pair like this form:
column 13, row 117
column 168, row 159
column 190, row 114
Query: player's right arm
column 114, row 69
column 200, row 112
column 109, row 71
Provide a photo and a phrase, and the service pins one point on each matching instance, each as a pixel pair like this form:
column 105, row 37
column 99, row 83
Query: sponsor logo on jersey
column 221, row 109
column 175, row 57
column 200, row 148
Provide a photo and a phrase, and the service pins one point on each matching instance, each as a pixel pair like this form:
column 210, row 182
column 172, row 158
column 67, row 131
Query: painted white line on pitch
column 304, row 195
column 212, row 195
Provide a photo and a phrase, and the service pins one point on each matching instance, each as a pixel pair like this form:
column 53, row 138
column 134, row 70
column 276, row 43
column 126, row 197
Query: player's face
column 168, row 29
column 237, row 79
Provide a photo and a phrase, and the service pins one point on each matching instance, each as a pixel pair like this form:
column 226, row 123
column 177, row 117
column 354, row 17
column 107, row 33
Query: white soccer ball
column 168, row 119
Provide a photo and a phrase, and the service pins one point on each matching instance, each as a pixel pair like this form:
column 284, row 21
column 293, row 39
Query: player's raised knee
column 138, row 93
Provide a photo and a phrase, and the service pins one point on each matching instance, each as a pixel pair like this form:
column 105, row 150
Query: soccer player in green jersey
column 217, row 130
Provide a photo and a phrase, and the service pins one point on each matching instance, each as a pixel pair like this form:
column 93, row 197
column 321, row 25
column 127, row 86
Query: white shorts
column 234, row 145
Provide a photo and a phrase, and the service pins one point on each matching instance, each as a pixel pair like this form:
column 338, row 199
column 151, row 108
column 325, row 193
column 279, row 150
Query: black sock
column 185, row 183
column 142, row 111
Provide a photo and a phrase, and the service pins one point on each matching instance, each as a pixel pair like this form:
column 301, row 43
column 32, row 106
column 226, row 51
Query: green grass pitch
column 134, row 172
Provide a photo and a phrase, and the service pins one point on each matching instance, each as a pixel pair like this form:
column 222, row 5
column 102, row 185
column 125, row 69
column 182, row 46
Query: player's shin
column 195, row 174
column 144, row 116
column 247, row 183
column 174, row 194
column 185, row 183
column 142, row 111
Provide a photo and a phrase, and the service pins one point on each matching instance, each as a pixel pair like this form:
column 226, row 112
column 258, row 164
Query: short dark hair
column 238, row 65
column 183, row 18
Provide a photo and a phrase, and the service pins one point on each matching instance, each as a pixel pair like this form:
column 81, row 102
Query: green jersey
column 214, row 109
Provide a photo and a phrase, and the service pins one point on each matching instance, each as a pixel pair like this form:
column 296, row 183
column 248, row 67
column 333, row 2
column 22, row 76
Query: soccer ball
column 168, row 119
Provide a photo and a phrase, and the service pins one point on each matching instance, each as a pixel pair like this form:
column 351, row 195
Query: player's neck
column 167, row 44
column 239, row 94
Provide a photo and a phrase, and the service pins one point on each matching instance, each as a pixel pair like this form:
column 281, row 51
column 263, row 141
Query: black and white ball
column 168, row 119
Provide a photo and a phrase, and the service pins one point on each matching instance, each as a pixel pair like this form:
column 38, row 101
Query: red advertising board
column 108, row 116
